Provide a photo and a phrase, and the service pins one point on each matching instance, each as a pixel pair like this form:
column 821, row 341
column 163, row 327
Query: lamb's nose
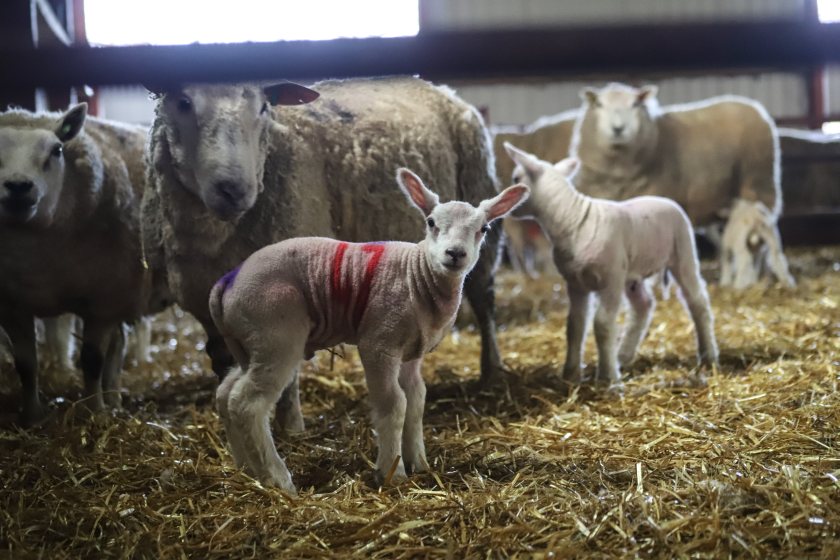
column 456, row 253
column 617, row 130
column 18, row 187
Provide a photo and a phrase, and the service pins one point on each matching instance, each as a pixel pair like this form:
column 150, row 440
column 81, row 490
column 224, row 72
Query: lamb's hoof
column 698, row 381
column 491, row 378
column 572, row 375
column 626, row 359
column 289, row 421
column 419, row 465
column 113, row 399
column 391, row 479
column 615, row 390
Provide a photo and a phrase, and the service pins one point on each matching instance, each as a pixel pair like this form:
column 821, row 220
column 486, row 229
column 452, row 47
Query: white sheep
column 750, row 241
column 703, row 155
column 229, row 174
column 70, row 242
column 610, row 248
column 394, row 300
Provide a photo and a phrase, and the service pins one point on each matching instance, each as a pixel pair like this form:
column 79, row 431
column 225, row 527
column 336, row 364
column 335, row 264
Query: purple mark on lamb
column 227, row 280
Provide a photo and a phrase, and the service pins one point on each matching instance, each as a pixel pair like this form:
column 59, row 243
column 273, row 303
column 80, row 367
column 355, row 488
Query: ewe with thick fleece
column 610, row 248
column 394, row 300
column 703, row 155
column 230, row 175
column 70, row 240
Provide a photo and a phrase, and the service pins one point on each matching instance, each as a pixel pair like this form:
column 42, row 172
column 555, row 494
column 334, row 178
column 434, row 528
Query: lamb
column 70, row 242
column 610, row 248
column 394, row 300
column 703, row 155
column 251, row 175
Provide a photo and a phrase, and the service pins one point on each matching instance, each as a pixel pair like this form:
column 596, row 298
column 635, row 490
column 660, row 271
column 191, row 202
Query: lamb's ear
column 532, row 166
column 411, row 185
column 71, row 122
column 503, row 203
column 289, row 93
column 590, row 95
column 568, row 167
column 645, row 93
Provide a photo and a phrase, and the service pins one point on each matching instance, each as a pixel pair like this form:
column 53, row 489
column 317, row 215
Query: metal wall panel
column 784, row 95
column 126, row 104
column 481, row 14
column 832, row 90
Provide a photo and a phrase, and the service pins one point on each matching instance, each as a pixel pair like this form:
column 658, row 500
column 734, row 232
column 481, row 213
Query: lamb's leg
column 288, row 416
column 776, row 256
column 479, row 290
column 114, row 358
column 641, row 312
column 388, row 408
column 606, row 332
column 576, row 323
column 141, row 340
column 414, row 450
column 21, row 331
column 687, row 275
column 60, row 343
column 249, row 401
column 222, row 397
column 727, row 271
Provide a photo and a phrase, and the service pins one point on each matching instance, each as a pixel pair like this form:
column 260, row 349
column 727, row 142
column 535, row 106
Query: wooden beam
column 760, row 46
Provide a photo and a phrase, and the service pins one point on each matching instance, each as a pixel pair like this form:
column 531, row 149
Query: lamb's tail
column 216, row 304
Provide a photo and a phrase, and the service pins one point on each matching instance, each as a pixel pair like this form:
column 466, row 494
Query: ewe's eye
column 57, row 150
column 184, row 104
column 485, row 228
column 430, row 222
column 264, row 108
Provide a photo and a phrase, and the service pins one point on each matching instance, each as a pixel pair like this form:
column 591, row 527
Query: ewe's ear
column 590, row 95
column 645, row 93
column 533, row 167
column 568, row 167
column 71, row 122
column 505, row 202
column 289, row 93
column 411, row 185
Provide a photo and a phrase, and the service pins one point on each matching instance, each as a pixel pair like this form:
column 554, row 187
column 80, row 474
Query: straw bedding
column 747, row 466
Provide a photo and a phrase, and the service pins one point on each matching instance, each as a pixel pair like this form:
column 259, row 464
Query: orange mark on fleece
column 342, row 285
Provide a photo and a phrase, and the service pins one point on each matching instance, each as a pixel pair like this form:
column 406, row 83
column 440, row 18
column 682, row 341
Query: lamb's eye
column 184, row 104
column 485, row 228
column 264, row 108
column 430, row 222
column 57, row 150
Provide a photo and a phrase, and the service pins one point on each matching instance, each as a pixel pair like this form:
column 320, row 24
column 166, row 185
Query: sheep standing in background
column 703, row 155
column 70, row 242
column 229, row 175
column 610, row 248
column 394, row 300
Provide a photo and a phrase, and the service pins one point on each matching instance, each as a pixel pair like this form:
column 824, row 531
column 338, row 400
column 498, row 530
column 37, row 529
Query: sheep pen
column 748, row 466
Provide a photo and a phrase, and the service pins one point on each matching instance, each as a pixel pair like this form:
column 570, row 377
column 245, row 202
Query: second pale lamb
column 394, row 300
column 610, row 248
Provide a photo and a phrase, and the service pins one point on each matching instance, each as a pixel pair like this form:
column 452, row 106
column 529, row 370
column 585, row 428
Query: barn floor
column 747, row 466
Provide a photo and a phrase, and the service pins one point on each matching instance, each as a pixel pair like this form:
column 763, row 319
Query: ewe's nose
column 456, row 253
column 18, row 187
column 618, row 129
column 229, row 191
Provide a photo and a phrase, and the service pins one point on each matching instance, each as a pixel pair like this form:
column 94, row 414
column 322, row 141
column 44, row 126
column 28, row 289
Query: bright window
column 831, row 127
column 178, row 22
column 829, row 10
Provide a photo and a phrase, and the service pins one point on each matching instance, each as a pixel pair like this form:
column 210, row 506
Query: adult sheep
column 703, row 155
column 70, row 188
column 231, row 174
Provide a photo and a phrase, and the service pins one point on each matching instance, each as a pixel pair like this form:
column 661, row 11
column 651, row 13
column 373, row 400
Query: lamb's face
column 454, row 234
column 618, row 113
column 217, row 138
column 32, row 169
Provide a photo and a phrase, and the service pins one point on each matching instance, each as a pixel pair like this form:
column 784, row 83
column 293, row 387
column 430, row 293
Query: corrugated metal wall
column 785, row 95
column 832, row 90
column 476, row 14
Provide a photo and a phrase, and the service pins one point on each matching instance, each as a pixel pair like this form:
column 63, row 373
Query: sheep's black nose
column 456, row 253
column 229, row 191
column 617, row 130
column 18, row 187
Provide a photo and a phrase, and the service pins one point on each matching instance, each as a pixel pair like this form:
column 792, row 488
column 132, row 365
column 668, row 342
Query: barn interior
column 740, row 459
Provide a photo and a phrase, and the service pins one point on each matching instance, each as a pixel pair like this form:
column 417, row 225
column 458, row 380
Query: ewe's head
column 618, row 113
column 32, row 168
column 218, row 138
column 534, row 172
column 455, row 230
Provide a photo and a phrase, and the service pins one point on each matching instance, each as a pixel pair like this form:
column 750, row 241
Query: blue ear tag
column 66, row 128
